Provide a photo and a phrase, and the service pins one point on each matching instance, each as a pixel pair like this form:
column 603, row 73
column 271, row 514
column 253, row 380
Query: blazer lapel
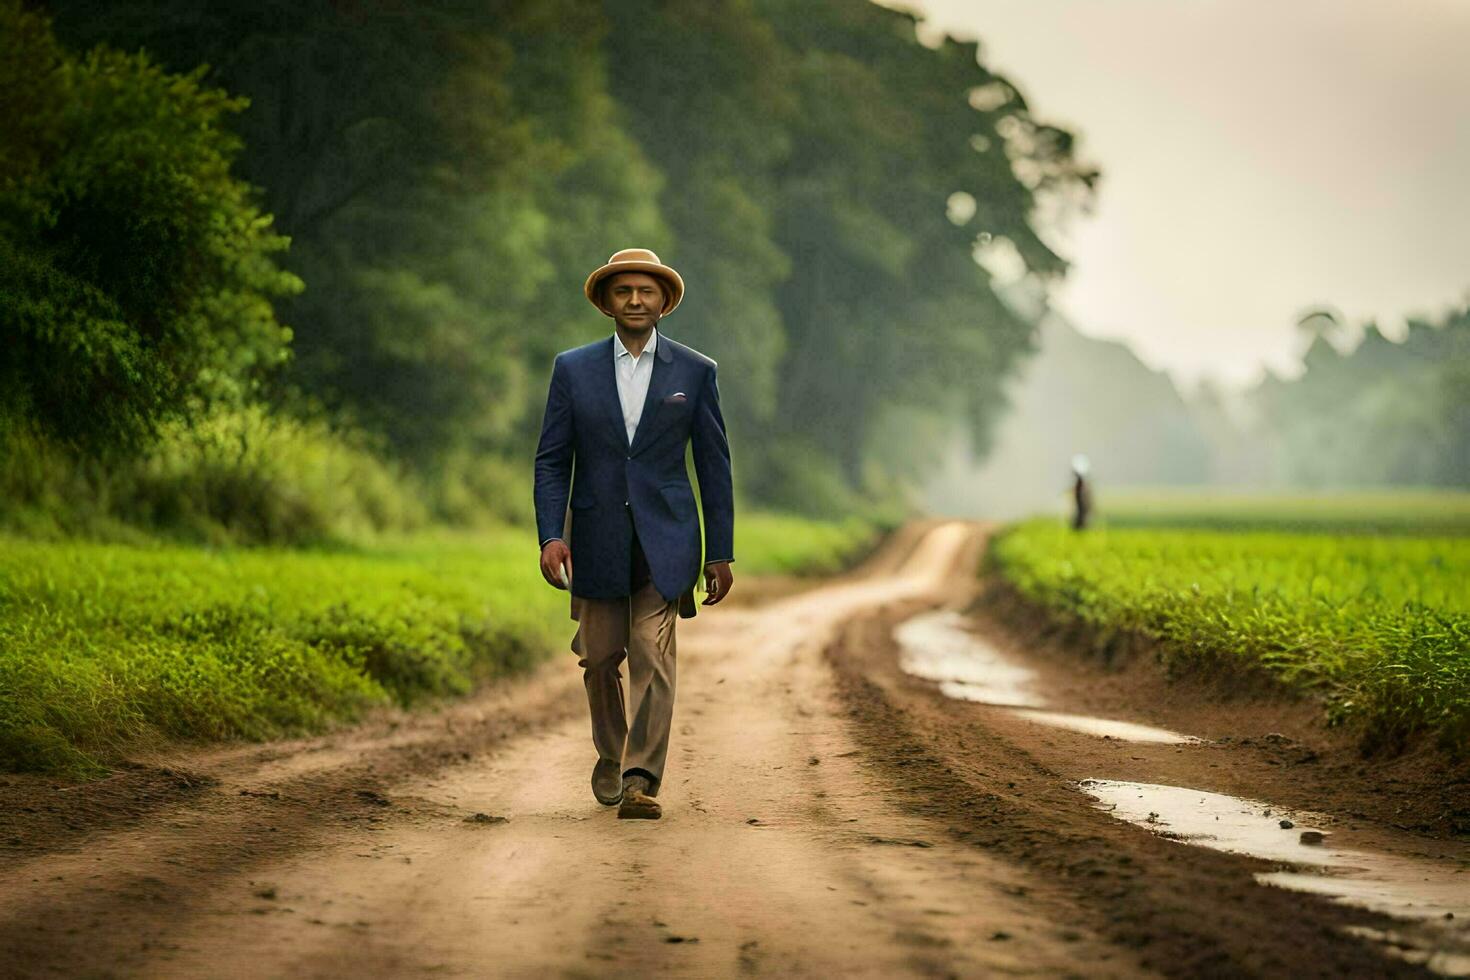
column 608, row 381
column 658, row 387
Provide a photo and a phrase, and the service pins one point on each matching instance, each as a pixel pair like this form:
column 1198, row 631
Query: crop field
column 1377, row 626
column 793, row 545
column 106, row 646
column 1398, row 512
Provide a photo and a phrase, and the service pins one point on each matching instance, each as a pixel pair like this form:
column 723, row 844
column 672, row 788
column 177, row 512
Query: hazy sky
column 1258, row 156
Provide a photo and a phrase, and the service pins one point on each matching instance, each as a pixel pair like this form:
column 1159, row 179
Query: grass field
column 109, row 647
column 1378, row 625
column 1398, row 512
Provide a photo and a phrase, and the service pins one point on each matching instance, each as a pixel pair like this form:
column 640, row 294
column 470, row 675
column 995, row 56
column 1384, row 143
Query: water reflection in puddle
column 1436, row 895
column 1107, row 728
column 937, row 647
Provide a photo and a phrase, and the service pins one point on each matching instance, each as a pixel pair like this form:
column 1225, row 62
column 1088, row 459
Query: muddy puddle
column 1432, row 897
column 937, row 647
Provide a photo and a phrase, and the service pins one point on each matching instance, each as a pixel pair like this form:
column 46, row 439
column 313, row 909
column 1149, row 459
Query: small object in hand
column 565, row 579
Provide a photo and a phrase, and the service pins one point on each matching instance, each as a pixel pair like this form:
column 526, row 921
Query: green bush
column 237, row 475
column 136, row 272
column 470, row 490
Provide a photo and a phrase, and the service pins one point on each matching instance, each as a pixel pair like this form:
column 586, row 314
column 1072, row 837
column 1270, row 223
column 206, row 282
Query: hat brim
column 664, row 273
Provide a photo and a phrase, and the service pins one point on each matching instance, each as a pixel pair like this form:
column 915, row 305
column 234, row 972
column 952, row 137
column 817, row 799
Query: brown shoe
column 637, row 804
column 606, row 784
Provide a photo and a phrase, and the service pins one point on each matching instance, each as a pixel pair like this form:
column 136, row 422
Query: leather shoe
column 607, row 785
column 637, row 804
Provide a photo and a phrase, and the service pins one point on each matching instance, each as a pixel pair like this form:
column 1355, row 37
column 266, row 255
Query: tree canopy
column 449, row 173
column 1386, row 412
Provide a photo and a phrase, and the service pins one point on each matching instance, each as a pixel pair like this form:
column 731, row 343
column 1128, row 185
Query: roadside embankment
column 1377, row 630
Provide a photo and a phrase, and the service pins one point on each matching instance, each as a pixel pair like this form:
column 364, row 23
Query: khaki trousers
column 640, row 629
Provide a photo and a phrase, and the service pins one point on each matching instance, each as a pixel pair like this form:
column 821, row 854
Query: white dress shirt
column 634, row 374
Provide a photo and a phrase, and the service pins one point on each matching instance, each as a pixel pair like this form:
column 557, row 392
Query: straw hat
column 638, row 260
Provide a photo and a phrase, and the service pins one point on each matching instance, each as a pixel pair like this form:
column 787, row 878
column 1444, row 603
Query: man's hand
column 554, row 556
column 717, row 581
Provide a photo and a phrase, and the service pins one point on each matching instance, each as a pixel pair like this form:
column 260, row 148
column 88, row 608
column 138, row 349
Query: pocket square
column 676, row 398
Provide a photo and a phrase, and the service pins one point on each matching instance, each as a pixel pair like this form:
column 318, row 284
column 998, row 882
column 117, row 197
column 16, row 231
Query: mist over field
column 1367, row 412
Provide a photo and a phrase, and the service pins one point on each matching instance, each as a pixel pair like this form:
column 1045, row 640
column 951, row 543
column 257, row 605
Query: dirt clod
column 484, row 818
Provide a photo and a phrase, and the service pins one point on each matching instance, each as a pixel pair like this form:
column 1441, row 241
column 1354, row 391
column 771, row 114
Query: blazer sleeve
column 712, row 467
column 554, row 456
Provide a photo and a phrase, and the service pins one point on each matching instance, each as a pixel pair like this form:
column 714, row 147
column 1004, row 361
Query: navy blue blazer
column 584, row 425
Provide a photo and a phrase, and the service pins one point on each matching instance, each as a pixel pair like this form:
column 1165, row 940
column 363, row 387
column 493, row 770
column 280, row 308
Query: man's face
column 635, row 299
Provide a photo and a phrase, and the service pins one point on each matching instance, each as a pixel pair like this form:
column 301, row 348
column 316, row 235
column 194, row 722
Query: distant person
column 1081, row 493
column 623, row 409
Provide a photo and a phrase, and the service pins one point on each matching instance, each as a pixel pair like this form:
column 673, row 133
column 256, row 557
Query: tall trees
column 814, row 149
column 446, row 172
column 1388, row 412
column 449, row 173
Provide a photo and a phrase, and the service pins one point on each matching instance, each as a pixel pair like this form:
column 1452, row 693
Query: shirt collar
column 619, row 350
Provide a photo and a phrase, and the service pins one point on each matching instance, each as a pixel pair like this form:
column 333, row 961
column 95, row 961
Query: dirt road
column 826, row 814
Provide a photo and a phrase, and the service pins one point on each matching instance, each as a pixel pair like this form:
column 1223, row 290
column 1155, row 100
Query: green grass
column 795, row 545
column 1378, row 626
column 108, row 647
column 1399, row 512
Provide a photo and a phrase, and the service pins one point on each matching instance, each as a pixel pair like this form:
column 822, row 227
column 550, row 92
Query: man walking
column 623, row 409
